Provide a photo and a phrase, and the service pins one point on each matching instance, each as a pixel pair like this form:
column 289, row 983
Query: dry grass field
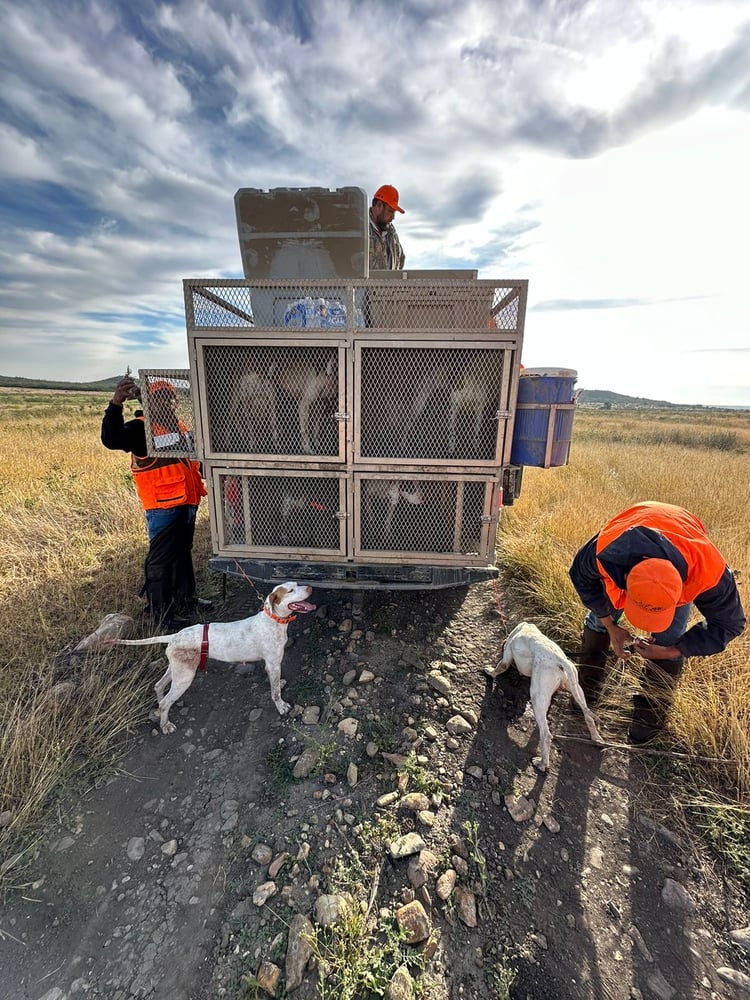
column 72, row 541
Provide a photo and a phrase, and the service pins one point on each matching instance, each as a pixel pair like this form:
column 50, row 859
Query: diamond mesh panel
column 280, row 512
column 439, row 305
column 421, row 403
column 506, row 303
column 293, row 305
column 220, row 306
column 167, row 411
column 421, row 514
column 268, row 400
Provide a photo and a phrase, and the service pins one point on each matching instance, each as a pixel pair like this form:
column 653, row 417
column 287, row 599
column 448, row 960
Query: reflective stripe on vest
column 166, row 481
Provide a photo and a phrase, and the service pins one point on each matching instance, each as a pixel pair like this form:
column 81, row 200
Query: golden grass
column 618, row 459
column 72, row 545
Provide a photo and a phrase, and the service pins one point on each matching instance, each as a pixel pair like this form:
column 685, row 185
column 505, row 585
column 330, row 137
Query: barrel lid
column 550, row 372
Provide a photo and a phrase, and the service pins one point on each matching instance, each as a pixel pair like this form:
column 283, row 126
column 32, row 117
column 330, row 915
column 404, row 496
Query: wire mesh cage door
column 413, row 517
column 167, row 402
column 270, row 513
column 432, row 402
column 266, row 400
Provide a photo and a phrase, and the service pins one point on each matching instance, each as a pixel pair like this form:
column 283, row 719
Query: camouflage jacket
column 385, row 249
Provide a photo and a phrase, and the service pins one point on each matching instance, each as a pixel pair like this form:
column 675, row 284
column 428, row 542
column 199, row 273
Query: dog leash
column 244, row 575
column 499, row 606
column 646, row 750
column 276, row 618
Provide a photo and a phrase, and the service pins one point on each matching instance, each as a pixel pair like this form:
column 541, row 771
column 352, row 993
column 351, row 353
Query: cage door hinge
column 503, row 415
column 341, row 515
column 341, row 415
column 486, row 519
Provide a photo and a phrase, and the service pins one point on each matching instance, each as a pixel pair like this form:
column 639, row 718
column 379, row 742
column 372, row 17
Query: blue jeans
column 667, row 638
column 158, row 520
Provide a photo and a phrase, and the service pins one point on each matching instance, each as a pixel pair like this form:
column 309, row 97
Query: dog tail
column 151, row 641
column 571, row 673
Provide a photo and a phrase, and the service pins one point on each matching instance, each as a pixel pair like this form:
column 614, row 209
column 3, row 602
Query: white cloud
column 599, row 149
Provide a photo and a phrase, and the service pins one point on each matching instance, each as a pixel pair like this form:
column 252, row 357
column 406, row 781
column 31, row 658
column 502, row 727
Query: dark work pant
column 168, row 570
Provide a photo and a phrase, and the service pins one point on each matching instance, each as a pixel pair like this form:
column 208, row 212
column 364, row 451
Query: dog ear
column 277, row 595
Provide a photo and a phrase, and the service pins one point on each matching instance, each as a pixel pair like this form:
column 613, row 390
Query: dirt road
column 179, row 877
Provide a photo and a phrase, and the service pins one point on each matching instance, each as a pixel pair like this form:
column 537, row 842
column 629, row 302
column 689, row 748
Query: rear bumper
column 349, row 576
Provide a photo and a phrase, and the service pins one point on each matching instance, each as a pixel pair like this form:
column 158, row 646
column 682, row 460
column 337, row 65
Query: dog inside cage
column 272, row 400
column 421, row 515
column 281, row 512
column 430, row 403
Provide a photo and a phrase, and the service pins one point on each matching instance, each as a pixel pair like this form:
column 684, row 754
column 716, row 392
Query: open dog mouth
column 302, row 606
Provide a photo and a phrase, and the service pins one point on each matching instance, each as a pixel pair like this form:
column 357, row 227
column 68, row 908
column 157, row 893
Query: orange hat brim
column 648, row 621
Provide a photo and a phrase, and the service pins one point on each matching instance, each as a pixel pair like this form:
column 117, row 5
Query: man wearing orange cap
column 385, row 249
column 651, row 563
column 169, row 488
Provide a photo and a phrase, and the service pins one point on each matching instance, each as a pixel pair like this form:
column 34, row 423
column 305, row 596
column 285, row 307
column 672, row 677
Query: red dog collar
column 204, row 648
column 276, row 618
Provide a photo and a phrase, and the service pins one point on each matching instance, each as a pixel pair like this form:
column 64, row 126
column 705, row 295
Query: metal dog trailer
column 355, row 432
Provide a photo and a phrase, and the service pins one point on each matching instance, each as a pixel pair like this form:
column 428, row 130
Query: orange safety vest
column 169, row 481
column 705, row 563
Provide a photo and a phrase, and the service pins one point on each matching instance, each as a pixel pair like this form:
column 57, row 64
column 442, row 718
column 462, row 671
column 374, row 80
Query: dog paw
column 539, row 764
column 283, row 707
column 168, row 728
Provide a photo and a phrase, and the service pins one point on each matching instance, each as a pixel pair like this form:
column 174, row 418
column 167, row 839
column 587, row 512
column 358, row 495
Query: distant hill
column 15, row 382
column 588, row 397
column 615, row 400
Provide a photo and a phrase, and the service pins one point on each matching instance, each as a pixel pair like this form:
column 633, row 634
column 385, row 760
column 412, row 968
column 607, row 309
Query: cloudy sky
column 599, row 148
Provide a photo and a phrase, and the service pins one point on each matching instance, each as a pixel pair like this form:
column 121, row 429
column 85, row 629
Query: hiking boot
column 173, row 623
column 592, row 661
column 195, row 604
column 650, row 709
column 648, row 720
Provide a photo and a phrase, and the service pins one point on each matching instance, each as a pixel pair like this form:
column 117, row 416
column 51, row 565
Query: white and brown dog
column 260, row 637
column 550, row 670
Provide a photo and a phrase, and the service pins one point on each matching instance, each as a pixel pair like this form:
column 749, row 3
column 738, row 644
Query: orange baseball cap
column 162, row 385
column 652, row 592
column 388, row 194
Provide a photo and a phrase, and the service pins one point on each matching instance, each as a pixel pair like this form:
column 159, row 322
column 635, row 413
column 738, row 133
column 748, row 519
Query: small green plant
column 500, row 978
column 376, row 836
column 280, row 772
column 727, row 830
column 326, row 749
column 386, row 737
column 358, row 955
column 472, row 835
column 420, row 779
column 250, row 988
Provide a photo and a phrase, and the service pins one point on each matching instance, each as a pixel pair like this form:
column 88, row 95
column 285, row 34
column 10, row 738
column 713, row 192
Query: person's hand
column 650, row 651
column 620, row 639
column 125, row 389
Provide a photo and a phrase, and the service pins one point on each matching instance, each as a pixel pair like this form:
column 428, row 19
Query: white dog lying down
column 550, row 670
column 261, row 637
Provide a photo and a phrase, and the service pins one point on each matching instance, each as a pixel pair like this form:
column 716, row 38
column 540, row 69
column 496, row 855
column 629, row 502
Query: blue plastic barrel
column 543, row 427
